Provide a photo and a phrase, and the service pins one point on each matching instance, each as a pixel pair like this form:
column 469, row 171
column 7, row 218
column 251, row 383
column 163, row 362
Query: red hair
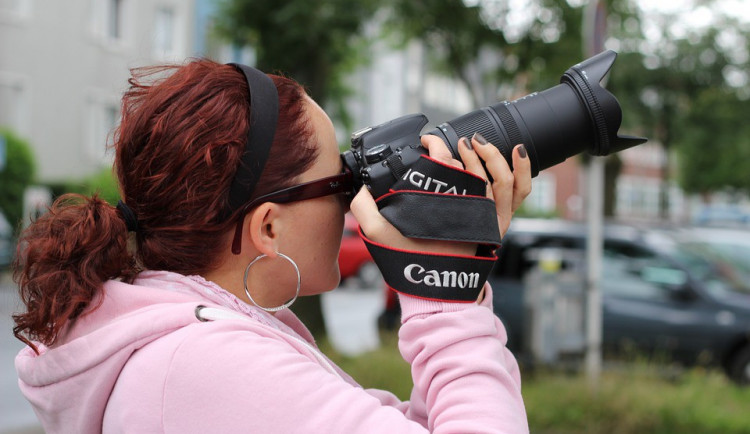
column 176, row 152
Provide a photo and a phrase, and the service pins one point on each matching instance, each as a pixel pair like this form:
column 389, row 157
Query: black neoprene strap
column 264, row 113
column 433, row 200
column 417, row 214
column 425, row 205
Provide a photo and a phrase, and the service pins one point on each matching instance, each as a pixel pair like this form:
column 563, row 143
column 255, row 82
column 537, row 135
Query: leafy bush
column 102, row 183
column 17, row 175
column 634, row 398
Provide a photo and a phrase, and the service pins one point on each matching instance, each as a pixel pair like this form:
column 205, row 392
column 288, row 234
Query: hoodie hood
column 69, row 383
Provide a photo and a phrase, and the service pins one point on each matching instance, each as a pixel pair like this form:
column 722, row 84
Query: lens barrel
column 575, row 116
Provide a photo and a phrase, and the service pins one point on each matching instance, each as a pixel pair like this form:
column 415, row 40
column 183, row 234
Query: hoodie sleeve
column 223, row 379
column 465, row 379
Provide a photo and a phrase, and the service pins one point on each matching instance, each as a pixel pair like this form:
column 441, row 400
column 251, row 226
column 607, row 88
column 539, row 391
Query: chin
column 335, row 280
column 321, row 284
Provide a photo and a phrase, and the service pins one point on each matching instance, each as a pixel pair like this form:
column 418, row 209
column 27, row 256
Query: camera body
column 575, row 116
column 384, row 152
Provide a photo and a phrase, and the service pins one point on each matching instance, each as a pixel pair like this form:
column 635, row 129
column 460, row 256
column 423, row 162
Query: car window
column 721, row 273
column 632, row 272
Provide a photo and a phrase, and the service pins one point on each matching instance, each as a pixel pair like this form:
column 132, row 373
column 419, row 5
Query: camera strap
column 435, row 201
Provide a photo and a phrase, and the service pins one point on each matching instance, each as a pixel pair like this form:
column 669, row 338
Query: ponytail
column 63, row 259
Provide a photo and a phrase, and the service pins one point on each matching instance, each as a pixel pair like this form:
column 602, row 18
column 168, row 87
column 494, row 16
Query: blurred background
column 673, row 268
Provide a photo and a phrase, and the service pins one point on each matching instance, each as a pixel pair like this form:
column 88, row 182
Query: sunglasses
column 341, row 183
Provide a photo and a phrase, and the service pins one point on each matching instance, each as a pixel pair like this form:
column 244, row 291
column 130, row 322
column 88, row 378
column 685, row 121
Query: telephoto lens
column 578, row 115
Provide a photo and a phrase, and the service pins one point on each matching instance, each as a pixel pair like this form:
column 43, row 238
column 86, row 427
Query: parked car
column 7, row 244
column 723, row 215
column 660, row 296
column 354, row 258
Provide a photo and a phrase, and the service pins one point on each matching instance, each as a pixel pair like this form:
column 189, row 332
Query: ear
column 263, row 227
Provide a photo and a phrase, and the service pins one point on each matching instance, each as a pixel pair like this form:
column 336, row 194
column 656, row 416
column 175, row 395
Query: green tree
column 659, row 80
column 16, row 176
column 479, row 44
column 715, row 158
column 482, row 44
column 458, row 40
column 317, row 43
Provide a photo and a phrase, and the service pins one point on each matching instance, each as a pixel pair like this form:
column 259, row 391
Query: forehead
column 325, row 134
column 328, row 162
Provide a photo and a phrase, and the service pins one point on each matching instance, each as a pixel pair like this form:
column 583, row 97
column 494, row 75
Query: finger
column 502, row 180
column 365, row 210
column 373, row 224
column 472, row 163
column 439, row 151
column 522, row 175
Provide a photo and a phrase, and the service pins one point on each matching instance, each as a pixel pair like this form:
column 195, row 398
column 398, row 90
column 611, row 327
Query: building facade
column 65, row 64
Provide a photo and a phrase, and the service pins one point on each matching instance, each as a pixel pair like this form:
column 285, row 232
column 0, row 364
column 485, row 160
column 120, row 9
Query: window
column 542, row 196
column 114, row 18
column 164, row 32
column 446, row 94
column 637, row 197
column 108, row 20
column 169, row 36
column 14, row 103
column 15, row 9
column 102, row 119
column 635, row 273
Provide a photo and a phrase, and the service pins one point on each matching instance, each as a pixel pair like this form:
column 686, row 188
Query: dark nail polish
column 522, row 151
column 480, row 139
column 466, row 143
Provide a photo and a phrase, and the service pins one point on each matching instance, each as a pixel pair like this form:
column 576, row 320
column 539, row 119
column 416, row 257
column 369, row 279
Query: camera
column 574, row 116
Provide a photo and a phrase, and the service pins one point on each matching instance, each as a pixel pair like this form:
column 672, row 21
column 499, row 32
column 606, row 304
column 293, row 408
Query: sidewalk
column 16, row 415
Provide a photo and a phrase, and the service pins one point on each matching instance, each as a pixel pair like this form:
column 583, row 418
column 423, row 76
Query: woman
column 190, row 331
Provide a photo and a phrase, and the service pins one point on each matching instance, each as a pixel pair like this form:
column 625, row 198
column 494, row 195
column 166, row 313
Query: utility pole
column 594, row 33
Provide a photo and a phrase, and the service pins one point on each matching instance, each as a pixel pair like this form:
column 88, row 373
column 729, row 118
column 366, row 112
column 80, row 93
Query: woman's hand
column 508, row 190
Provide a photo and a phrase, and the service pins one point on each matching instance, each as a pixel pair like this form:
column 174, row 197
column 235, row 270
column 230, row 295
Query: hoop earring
column 288, row 303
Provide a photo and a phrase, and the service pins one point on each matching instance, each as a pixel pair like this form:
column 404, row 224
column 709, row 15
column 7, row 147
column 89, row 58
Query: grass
column 634, row 398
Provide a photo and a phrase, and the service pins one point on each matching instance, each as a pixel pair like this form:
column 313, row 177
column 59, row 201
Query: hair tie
column 131, row 221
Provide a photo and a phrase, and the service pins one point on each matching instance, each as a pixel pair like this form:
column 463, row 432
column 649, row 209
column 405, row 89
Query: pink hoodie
column 147, row 360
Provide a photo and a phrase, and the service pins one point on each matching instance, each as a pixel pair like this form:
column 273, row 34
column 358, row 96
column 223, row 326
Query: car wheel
column 739, row 367
column 369, row 275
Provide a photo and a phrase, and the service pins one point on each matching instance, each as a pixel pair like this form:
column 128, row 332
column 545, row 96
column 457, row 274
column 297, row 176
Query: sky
column 693, row 15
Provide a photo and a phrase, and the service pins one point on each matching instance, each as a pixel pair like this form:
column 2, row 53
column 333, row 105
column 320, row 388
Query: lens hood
column 603, row 108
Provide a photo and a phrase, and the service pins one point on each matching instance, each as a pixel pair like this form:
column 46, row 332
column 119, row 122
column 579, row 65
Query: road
column 351, row 323
column 351, row 315
column 16, row 415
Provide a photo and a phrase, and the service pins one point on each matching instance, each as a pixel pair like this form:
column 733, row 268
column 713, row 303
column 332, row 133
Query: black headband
column 264, row 113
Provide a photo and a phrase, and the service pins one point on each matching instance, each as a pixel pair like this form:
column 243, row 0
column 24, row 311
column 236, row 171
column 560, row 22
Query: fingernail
column 522, row 151
column 480, row 139
column 466, row 143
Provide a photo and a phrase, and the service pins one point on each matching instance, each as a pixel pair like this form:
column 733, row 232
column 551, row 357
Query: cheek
column 319, row 251
column 320, row 230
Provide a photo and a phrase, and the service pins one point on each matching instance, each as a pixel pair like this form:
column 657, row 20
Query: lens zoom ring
column 477, row 121
column 511, row 128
